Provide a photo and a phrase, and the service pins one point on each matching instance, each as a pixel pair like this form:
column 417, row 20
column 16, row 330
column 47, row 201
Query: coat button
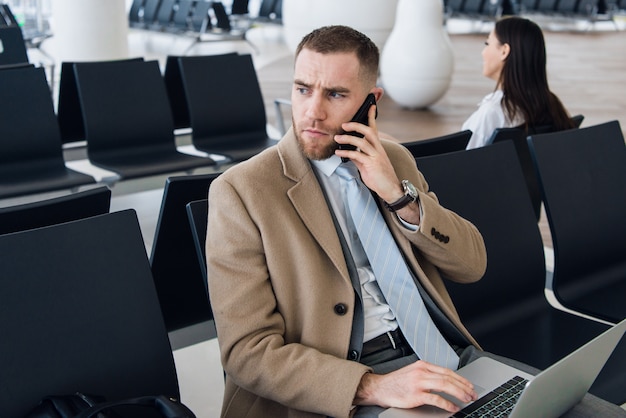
column 353, row 355
column 341, row 309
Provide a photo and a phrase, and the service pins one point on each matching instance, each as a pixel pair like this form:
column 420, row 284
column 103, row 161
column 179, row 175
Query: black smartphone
column 361, row 117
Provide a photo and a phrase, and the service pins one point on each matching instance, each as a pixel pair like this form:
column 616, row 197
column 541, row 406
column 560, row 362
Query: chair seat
column 31, row 154
column 601, row 294
column 544, row 337
column 243, row 150
column 42, row 182
column 139, row 165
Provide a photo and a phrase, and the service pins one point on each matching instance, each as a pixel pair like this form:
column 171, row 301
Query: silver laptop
column 548, row 394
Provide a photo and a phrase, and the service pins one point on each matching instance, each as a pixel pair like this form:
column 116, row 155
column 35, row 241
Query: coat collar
column 309, row 200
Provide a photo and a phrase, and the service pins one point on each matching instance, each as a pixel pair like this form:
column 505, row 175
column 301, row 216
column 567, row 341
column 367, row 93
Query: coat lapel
column 309, row 201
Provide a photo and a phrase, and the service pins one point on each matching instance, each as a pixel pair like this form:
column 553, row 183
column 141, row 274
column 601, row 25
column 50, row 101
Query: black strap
column 169, row 408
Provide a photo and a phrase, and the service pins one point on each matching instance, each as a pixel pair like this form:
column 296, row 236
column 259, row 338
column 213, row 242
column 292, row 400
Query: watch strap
column 400, row 203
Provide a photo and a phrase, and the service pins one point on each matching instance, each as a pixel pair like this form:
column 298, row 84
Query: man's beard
column 315, row 154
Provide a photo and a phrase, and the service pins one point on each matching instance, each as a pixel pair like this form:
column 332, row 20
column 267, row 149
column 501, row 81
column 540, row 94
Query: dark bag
column 81, row 405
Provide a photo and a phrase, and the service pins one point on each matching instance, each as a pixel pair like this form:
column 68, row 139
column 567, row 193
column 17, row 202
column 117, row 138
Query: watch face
column 409, row 188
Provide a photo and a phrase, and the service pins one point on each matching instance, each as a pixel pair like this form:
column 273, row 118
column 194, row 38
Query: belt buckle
column 393, row 342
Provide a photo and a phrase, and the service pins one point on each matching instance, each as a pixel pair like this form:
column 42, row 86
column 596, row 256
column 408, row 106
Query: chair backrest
column 566, row 6
column 588, row 7
column 456, row 141
column 494, row 8
column 79, row 205
column 518, row 136
column 69, row 114
column 222, row 19
column 176, row 92
column 577, row 120
column 7, row 18
column 200, row 19
column 79, row 312
column 30, row 136
column 546, row 6
column 239, row 7
column 198, row 212
column 12, row 46
column 182, row 15
column 582, row 175
column 486, row 186
column 165, row 13
column 238, row 116
column 266, row 8
column 125, row 107
column 150, row 10
column 453, row 7
column 134, row 12
column 179, row 280
column 278, row 11
column 472, row 7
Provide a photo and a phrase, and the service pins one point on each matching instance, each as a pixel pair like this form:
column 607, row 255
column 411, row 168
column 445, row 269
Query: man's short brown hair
column 343, row 39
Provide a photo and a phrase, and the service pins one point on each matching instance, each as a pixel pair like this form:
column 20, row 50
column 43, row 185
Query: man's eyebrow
column 326, row 89
column 301, row 83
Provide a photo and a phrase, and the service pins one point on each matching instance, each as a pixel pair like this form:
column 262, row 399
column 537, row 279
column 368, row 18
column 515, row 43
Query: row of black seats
column 200, row 16
column 489, row 9
column 124, row 111
column 583, row 174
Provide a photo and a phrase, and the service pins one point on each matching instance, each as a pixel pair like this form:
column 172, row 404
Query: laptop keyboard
column 497, row 403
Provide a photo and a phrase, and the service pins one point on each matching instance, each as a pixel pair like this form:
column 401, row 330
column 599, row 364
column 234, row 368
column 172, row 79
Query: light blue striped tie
column 392, row 273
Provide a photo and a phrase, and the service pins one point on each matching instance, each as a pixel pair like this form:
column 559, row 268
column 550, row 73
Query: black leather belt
column 389, row 340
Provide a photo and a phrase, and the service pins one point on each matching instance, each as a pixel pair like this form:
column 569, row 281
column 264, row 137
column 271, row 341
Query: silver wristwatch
column 410, row 195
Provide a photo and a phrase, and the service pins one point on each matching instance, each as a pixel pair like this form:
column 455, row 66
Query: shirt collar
column 327, row 166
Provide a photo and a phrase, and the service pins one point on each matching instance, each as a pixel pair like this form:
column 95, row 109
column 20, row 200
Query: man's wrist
column 364, row 392
column 410, row 195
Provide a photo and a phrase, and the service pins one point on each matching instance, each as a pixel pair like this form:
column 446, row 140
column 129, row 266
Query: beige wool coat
column 276, row 271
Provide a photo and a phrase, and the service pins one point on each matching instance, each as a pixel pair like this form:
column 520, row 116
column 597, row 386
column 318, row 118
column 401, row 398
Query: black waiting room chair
column 456, row 141
column 226, row 107
column 180, row 282
column 79, row 312
column 128, row 124
column 507, row 311
column 13, row 49
column 31, row 153
column 56, row 210
column 518, row 136
column 198, row 212
column 582, row 176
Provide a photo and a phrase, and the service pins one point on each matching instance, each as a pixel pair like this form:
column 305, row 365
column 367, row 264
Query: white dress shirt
column 378, row 316
column 489, row 116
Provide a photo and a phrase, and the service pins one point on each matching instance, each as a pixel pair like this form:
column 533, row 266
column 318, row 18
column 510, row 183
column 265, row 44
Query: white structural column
column 417, row 61
column 372, row 17
column 90, row 30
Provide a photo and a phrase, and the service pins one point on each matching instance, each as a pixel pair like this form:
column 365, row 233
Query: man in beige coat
column 282, row 295
column 303, row 328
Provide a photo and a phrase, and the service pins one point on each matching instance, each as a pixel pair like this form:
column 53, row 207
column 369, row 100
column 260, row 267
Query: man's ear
column 378, row 92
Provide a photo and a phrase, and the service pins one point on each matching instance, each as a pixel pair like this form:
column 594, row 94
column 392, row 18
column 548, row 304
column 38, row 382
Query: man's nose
column 316, row 109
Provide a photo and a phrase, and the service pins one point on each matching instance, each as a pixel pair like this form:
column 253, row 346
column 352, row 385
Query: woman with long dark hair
column 514, row 57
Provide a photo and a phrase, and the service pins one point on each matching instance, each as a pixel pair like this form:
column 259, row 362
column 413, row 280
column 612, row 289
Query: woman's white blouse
column 489, row 116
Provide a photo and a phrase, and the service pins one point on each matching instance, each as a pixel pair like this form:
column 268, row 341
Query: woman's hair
column 343, row 39
column 523, row 79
